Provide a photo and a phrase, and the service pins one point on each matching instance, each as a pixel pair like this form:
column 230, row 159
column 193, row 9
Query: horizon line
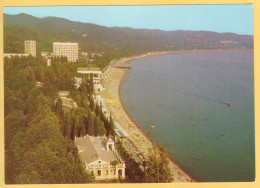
column 134, row 28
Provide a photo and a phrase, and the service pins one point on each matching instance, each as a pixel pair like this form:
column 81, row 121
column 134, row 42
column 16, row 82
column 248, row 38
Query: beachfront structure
column 67, row 103
column 102, row 103
column 88, row 71
column 96, row 72
column 120, row 132
column 9, row 55
column 78, row 82
column 100, row 157
column 66, row 49
column 30, row 47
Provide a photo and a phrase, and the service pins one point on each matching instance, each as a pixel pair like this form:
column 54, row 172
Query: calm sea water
column 184, row 96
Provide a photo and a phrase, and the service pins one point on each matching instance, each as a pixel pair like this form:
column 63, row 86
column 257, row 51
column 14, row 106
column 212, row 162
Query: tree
column 13, row 122
column 158, row 170
column 38, row 148
column 101, row 129
column 97, row 109
column 111, row 127
column 92, row 103
column 82, row 130
column 96, row 125
column 90, row 124
column 75, row 126
column 50, row 90
column 91, row 84
column 100, row 110
column 59, row 109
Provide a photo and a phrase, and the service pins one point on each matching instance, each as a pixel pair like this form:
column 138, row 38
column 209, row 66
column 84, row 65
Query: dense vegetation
column 111, row 42
column 35, row 149
column 39, row 132
column 155, row 169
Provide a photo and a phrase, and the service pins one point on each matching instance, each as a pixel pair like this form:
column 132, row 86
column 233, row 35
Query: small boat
column 152, row 126
column 227, row 103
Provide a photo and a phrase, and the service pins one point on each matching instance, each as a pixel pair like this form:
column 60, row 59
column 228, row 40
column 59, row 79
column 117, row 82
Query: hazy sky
column 219, row 18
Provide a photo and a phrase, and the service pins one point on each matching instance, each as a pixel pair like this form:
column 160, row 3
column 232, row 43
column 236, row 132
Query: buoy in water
column 171, row 106
column 192, row 118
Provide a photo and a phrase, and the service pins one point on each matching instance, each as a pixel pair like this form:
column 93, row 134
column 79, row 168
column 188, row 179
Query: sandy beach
column 116, row 108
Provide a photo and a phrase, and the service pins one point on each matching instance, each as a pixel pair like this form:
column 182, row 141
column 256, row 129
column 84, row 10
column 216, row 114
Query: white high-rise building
column 66, row 49
column 30, row 47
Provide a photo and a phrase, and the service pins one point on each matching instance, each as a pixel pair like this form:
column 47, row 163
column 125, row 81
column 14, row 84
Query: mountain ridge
column 123, row 40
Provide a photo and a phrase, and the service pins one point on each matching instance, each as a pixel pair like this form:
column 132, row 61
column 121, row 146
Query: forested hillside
column 123, row 41
column 39, row 131
column 36, row 147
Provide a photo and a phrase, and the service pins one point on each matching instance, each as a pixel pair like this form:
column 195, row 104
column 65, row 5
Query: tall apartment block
column 30, row 47
column 67, row 49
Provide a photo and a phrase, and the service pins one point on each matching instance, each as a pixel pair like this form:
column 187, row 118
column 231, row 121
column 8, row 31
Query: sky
column 219, row 18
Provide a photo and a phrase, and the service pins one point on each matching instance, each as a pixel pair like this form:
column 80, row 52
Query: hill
column 124, row 41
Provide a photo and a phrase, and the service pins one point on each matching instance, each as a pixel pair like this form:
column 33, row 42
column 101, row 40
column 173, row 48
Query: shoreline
column 126, row 59
column 139, row 127
column 120, row 115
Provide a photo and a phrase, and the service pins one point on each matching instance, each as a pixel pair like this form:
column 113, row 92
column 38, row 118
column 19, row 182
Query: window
column 105, row 172
column 113, row 172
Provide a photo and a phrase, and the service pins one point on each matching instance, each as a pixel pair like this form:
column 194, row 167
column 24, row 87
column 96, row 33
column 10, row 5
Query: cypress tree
column 85, row 122
column 101, row 128
column 82, row 130
column 106, row 124
column 96, row 124
column 72, row 131
column 92, row 103
column 75, row 124
column 58, row 110
column 111, row 127
column 97, row 109
column 90, row 125
column 66, row 128
column 91, row 84
column 100, row 109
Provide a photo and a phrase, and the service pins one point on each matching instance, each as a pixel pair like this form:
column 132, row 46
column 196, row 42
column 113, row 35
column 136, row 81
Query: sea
column 202, row 107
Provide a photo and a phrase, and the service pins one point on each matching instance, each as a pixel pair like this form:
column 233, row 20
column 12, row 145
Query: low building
column 78, row 82
column 15, row 54
column 88, row 71
column 45, row 54
column 121, row 133
column 48, row 62
column 100, row 157
column 39, row 84
column 64, row 93
column 67, row 103
column 96, row 72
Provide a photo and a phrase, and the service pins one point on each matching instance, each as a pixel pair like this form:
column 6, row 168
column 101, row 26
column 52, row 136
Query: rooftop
column 64, row 93
column 66, row 43
column 92, row 149
column 89, row 69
